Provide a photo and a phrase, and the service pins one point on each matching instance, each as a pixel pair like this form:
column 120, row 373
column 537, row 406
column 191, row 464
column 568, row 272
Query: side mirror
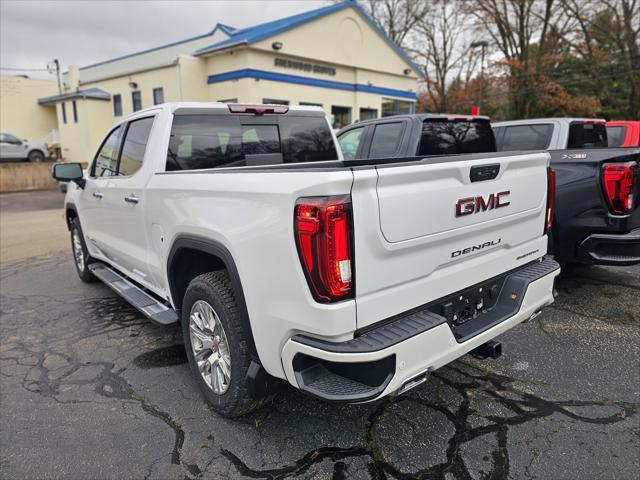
column 69, row 172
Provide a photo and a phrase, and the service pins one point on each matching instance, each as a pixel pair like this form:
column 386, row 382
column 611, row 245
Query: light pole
column 483, row 44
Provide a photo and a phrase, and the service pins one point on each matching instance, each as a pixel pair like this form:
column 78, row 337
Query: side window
column 107, row 157
column 386, row 139
column 349, row 143
column 8, row 138
column 526, row 137
column 134, row 146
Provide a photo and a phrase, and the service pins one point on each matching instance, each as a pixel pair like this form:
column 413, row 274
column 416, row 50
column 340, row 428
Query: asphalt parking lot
column 90, row 389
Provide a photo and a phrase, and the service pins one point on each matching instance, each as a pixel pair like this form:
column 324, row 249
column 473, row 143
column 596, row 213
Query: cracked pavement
column 90, row 389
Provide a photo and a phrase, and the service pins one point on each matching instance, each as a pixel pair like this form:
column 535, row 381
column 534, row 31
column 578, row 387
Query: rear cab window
column 201, row 141
column 616, row 135
column 450, row 136
column 587, row 135
column 535, row 136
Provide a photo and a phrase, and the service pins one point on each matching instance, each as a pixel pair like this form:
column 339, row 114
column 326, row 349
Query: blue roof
column 92, row 93
column 256, row 33
column 219, row 26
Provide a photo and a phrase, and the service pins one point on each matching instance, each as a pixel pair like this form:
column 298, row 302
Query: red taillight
column 617, row 183
column 551, row 199
column 324, row 237
column 257, row 109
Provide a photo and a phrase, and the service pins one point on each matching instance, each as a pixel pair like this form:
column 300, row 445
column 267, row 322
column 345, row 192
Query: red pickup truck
column 623, row 133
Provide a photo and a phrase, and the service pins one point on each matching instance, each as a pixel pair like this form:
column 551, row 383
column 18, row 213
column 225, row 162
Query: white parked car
column 12, row 148
column 351, row 280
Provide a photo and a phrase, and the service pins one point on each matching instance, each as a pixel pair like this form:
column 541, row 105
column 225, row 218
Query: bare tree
column 528, row 33
column 439, row 42
column 397, row 18
column 608, row 35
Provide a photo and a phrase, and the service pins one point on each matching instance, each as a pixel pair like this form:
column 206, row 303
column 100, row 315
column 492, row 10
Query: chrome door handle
column 131, row 199
column 97, row 194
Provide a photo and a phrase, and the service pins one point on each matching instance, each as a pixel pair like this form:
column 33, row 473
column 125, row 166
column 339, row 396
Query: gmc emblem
column 467, row 206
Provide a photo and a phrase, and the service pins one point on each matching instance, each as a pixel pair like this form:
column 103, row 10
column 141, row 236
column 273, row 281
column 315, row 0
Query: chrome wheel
column 210, row 347
column 78, row 253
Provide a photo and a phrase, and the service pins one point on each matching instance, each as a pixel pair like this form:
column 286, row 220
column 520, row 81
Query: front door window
column 349, row 143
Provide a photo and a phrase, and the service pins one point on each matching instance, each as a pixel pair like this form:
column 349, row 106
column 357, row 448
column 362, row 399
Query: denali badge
column 474, row 248
column 467, row 206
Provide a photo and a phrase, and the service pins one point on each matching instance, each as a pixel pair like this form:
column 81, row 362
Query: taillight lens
column 551, row 199
column 618, row 185
column 324, row 237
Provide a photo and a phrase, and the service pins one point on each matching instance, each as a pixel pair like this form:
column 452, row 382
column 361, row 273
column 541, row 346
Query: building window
column 275, row 101
column 75, row 111
column 117, row 105
column 64, row 112
column 340, row 116
column 368, row 114
column 158, row 96
column 310, row 104
column 228, row 100
column 391, row 107
column 136, row 99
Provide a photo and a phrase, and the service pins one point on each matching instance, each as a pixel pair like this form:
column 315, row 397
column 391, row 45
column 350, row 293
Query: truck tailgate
column 424, row 230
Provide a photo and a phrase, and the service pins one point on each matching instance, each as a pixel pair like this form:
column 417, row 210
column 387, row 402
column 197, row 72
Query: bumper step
column 145, row 303
column 343, row 382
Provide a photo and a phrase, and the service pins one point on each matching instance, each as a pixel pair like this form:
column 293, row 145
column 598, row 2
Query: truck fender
column 218, row 250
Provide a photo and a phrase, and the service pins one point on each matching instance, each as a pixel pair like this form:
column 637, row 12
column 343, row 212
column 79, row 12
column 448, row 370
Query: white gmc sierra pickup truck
column 349, row 279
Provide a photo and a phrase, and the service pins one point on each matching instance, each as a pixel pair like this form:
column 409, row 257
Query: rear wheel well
column 187, row 264
column 191, row 256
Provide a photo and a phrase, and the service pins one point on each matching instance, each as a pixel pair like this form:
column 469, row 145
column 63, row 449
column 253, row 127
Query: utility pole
column 483, row 44
column 57, row 65
column 54, row 66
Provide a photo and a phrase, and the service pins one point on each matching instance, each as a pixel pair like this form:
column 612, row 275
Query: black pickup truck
column 597, row 218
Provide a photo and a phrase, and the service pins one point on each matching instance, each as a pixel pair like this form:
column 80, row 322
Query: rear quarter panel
column 251, row 215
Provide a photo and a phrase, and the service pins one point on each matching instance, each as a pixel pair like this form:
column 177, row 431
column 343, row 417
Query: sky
column 33, row 32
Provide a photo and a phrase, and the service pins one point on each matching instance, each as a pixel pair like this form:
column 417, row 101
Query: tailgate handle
column 484, row 172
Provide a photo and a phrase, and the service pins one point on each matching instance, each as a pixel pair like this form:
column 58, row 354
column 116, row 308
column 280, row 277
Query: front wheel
column 80, row 253
column 216, row 345
column 36, row 156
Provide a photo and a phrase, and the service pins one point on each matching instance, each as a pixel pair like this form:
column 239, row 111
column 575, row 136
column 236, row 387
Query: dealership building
column 335, row 57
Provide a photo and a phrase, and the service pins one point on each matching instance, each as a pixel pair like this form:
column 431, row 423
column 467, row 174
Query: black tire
column 215, row 289
column 83, row 271
column 35, row 156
